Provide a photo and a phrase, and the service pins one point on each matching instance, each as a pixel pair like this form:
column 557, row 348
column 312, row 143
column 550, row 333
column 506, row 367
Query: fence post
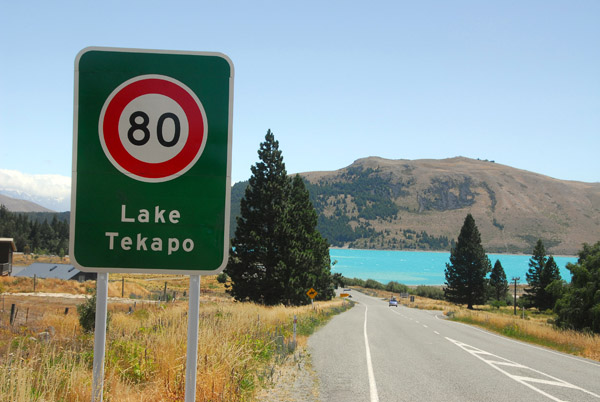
column 12, row 313
column 295, row 321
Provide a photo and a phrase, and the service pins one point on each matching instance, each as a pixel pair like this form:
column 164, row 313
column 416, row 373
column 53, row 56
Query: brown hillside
column 512, row 207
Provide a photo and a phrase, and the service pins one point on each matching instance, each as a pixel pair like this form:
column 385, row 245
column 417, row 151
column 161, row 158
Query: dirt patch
column 294, row 381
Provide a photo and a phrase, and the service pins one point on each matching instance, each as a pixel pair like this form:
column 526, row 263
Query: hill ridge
column 421, row 204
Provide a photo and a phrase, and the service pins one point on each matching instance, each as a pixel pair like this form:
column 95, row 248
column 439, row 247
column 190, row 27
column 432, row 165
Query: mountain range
column 381, row 203
column 20, row 205
column 421, row 204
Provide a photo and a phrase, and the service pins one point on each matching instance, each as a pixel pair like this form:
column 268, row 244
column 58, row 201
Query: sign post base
column 99, row 336
column 192, row 339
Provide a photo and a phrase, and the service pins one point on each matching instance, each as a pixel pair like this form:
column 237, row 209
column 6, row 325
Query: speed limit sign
column 152, row 127
column 151, row 161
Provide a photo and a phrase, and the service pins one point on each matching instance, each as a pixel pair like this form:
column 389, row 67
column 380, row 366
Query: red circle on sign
column 109, row 128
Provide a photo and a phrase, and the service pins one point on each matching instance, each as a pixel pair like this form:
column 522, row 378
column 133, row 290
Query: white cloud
column 45, row 189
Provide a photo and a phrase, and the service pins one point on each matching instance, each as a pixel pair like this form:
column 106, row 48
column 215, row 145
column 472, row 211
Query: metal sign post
column 99, row 336
column 192, row 340
column 151, row 182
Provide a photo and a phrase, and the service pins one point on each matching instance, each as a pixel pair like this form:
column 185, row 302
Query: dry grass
column 137, row 286
column 240, row 346
column 20, row 259
column 535, row 329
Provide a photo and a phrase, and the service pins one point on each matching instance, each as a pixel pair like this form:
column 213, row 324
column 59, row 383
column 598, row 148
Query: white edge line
column 372, row 385
column 521, row 379
column 579, row 359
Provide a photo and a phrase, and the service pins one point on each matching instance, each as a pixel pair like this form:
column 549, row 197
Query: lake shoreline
column 414, row 268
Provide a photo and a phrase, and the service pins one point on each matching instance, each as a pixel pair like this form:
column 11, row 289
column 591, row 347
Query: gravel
column 294, row 381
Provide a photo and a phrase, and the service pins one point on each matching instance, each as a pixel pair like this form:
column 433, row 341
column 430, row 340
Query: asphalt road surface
column 377, row 353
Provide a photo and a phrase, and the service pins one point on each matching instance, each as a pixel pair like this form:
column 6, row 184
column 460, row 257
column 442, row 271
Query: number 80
column 143, row 127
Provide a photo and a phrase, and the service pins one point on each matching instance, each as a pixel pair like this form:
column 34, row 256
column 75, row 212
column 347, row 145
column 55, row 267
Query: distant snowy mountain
column 20, row 205
column 54, row 204
column 49, row 191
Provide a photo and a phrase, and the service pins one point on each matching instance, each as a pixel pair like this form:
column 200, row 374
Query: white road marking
column 372, row 385
column 581, row 360
column 498, row 362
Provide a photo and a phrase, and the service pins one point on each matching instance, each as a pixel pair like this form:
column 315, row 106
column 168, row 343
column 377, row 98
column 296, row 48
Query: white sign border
column 73, row 214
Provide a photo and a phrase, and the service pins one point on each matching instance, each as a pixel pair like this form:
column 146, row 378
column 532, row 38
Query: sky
column 510, row 81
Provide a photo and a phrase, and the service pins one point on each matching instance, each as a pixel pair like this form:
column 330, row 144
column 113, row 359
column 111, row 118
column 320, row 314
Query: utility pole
column 515, row 299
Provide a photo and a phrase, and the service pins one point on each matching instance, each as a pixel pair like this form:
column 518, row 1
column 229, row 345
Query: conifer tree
column 307, row 253
column 468, row 267
column 534, row 274
column 498, row 281
column 550, row 274
column 254, row 263
column 542, row 272
column 277, row 254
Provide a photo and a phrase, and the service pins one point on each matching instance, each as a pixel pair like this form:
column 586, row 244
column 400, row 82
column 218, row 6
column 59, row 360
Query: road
column 376, row 353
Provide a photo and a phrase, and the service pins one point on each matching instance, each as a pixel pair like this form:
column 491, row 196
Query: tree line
column 576, row 305
column 35, row 234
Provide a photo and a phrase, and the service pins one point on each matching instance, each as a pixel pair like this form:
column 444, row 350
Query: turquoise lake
column 422, row 267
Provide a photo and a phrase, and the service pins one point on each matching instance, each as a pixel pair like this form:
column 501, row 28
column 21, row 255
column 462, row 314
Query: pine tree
column 254, row 263
column 468, row 267
column 277, row 254
column 542, row 272
column 307, row 253
column 550, row 274
column 534, row 274
column 498, row 281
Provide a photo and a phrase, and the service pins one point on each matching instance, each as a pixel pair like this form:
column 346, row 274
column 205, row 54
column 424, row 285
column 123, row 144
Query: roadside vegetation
column 241, row 346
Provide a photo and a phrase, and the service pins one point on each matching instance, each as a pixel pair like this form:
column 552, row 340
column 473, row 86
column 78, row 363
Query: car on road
column 393, row 302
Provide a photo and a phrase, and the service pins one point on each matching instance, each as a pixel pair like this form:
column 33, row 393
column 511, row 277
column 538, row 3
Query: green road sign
column 151, row 161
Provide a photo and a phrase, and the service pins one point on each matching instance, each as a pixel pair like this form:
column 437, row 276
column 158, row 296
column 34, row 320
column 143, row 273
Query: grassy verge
column 533, row 329
column 240, row 347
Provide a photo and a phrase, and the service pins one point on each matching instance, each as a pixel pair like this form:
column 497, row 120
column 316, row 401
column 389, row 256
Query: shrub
column 498, row 303
column 373, row 284
column 354, row 282
column 431, row 292
column 396, row 287
column 87, row 314
column 222, row 277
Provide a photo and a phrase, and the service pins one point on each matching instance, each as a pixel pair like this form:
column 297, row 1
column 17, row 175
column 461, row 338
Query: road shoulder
column 294, row 381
